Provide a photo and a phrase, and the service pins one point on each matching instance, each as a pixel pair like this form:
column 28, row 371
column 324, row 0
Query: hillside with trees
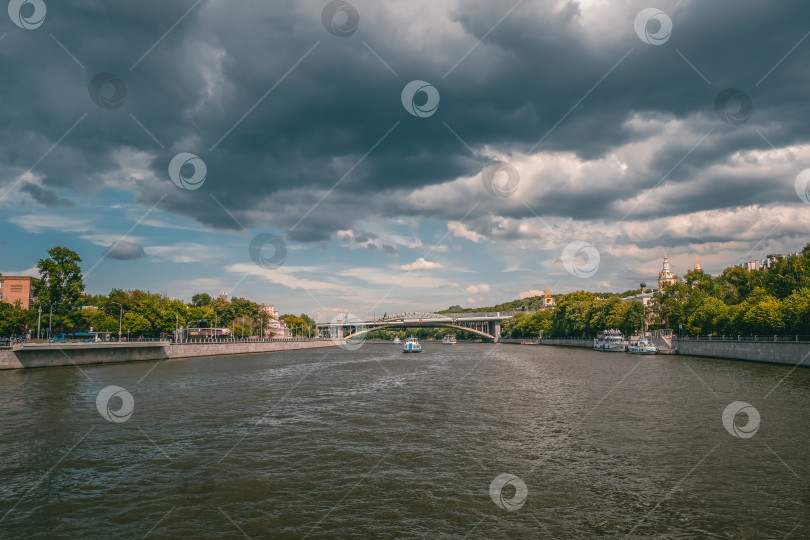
column 768, row 301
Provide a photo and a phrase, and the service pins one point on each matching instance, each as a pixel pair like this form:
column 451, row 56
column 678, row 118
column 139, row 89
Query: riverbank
column 785, row 353
column 568, row 342
column 66, row 354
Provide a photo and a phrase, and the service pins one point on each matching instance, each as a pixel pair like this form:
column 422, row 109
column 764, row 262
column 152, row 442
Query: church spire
column 665, row 276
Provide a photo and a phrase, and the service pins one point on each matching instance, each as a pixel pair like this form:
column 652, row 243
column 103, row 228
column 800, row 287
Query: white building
column 272, row 323
column 768, row 261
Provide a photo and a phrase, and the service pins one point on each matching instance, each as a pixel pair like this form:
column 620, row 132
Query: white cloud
column 530, row 293
column 186, row 252
column 380, row 276
column 421, row 264
column 475, row 289
column 110, row 239
column 287, row 276
column 37, row 223
column 33, row 272
column 458, row 230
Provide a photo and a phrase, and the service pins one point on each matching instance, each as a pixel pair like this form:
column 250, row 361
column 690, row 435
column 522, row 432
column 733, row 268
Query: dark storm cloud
column 45, row 196
column 362, row 237
column 124, row 251
column 322, row 117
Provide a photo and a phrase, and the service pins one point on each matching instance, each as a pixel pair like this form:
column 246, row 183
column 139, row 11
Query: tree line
column 65, row 309
column 767, row 301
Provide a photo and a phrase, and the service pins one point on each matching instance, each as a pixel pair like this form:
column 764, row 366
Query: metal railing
column 796, row 338
column 485, row 314
column 209, row 341
column 569, row 338
column 424, row 316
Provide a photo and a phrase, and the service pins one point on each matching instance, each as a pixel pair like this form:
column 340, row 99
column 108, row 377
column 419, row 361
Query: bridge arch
column 435, row 324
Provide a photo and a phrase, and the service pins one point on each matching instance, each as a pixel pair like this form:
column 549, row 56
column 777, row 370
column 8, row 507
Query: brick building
column 14, row 288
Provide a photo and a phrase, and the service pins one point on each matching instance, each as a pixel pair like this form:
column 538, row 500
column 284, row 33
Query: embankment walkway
column 36, row 355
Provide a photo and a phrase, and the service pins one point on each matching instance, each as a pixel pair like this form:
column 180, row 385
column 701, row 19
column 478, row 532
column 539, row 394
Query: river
column 461, row 441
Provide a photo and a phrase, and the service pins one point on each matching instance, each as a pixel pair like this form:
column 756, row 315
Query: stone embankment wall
column 568, row 342
column 52, row 355
column 191, row 350
column 780, row 352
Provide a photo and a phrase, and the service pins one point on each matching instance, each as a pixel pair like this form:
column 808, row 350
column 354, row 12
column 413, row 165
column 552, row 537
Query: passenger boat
column 449, row 339
column 397, row 340
column 411, row 346
column 610, row 341
column 642, row 346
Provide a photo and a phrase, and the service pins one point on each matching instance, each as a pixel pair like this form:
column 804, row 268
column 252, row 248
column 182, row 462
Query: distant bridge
column 485, row 324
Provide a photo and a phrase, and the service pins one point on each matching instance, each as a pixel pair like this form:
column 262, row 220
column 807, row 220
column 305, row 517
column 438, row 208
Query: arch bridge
column 485, row 324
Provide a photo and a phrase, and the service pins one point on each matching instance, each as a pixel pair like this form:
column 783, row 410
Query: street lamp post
column 39, row 320
column 50, row 320
column 120, row 318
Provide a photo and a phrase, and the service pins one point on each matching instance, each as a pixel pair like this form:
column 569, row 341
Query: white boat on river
column 642, row 346
column 610, row 341
column 411, row 346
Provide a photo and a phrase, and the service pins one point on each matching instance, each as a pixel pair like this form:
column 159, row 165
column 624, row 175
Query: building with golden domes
column 665, row 276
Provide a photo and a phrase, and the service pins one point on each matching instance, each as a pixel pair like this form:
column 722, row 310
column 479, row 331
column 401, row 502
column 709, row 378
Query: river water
column 372, row 443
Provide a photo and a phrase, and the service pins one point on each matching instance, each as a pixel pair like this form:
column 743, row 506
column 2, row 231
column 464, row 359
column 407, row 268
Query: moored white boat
column 610, row 341
column 449, row 339
column 397, row 340
column 642, row 346
column 411, row 346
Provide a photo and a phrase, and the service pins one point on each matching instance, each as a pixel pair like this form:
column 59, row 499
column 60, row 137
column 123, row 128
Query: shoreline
column 34, row 356
column 41, row 355
column 781, row 353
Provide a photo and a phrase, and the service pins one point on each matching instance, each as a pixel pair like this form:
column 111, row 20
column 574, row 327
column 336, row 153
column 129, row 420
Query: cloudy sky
column 389, row 156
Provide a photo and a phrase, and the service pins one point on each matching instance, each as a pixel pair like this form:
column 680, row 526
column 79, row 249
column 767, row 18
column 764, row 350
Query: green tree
column 60, row 284
column 301, row 324
column 224, row 312
column 698, row 279
column 796, row 312
column 98, row 321
column 737, row 284
column 764, row 317
column 786, row 276
column 13, row 320
column 634, row 316
column 136, row 324
column 673, row 301
column 709, row 318
column 201, row 299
